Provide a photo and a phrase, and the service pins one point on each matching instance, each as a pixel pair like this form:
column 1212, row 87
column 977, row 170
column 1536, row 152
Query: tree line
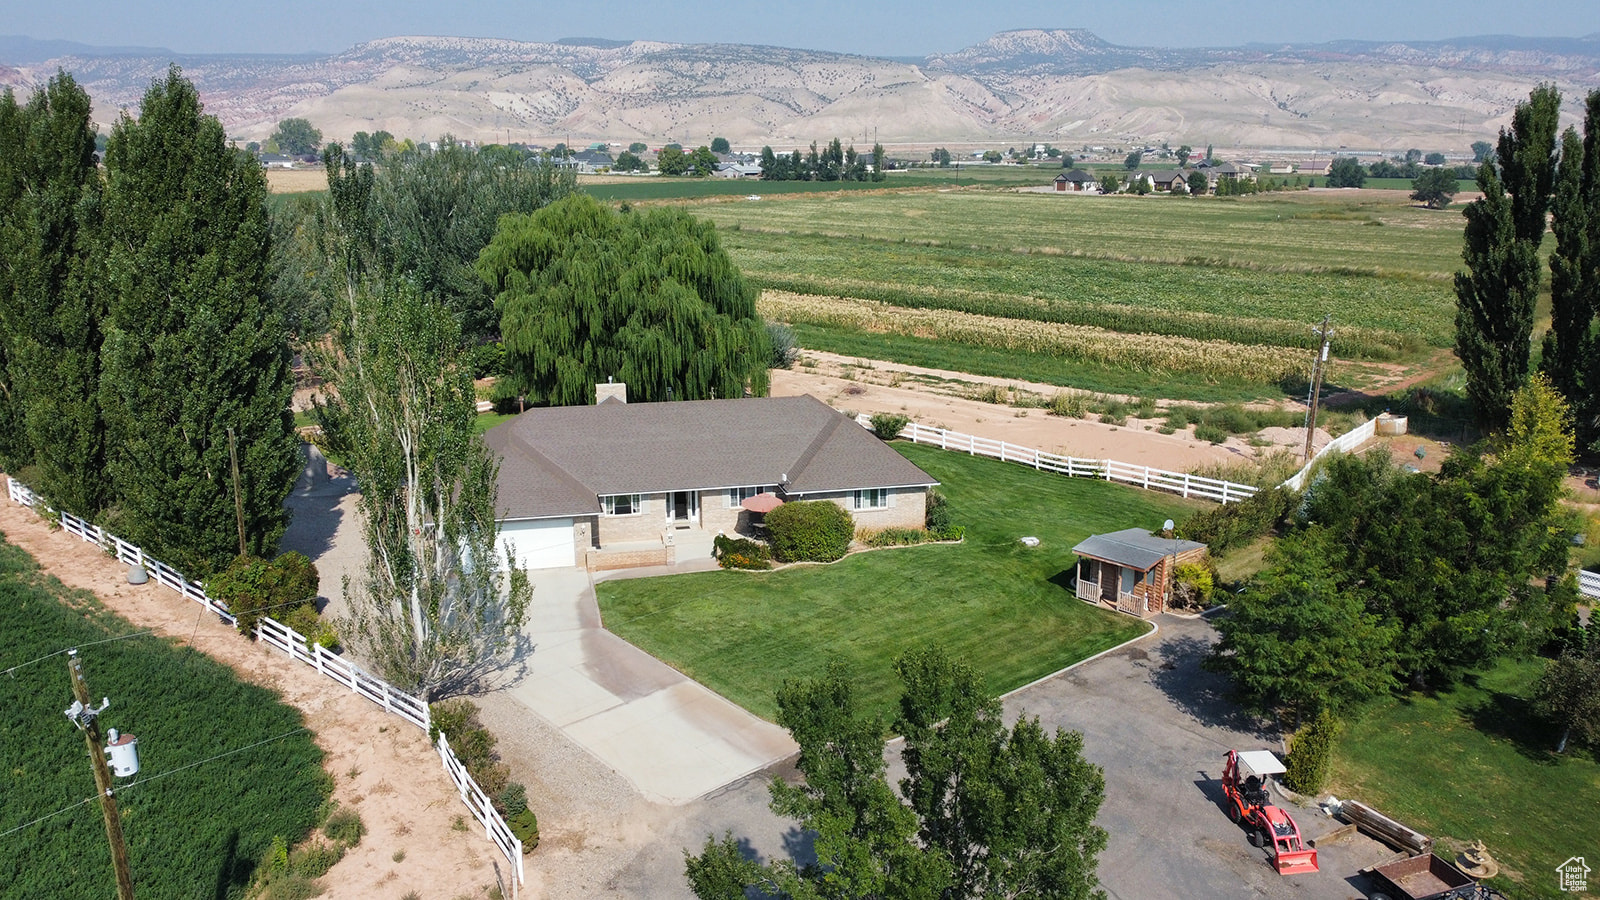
column 835, row 162
column 140, row 350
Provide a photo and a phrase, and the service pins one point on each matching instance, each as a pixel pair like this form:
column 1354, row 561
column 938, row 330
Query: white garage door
column 539, row 543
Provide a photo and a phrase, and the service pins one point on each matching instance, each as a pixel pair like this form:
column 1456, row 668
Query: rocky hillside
column 1063, row 86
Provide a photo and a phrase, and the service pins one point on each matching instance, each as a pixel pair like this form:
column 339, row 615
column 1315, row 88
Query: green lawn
column 1004, row 607
column 1472, row 763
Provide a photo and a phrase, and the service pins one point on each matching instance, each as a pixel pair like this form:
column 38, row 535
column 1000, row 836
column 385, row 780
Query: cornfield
column 1153, row 354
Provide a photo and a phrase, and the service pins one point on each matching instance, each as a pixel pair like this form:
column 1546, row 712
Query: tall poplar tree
column 1495, row 297
column 1571, row 357
column 191, row 348
column 50, row 309
column 650, row 299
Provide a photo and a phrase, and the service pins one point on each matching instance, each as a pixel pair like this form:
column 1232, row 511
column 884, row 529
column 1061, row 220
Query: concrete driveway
column 1159, row 726
column 1153, row 720
column 669, row 736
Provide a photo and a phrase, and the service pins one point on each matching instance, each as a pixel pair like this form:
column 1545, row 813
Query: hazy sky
column 876, row 27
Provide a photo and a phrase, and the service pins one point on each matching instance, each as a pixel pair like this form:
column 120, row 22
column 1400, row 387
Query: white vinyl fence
column 1180, row 483
column 281, row 637
column 1344, row 443
column 1589, row 584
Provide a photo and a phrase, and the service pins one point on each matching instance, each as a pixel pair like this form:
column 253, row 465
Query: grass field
column 1235, row 283
column 1004, row 607
column 1471, row 763
column 199, row 832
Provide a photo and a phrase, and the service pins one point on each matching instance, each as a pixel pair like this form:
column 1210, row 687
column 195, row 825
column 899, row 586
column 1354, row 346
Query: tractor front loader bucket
column 1296, row 862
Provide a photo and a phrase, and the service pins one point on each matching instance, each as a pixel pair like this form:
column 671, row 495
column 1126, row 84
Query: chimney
column 610, row 391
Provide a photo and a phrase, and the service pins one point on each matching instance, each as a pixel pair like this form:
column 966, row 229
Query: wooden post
column 238, row 501
column 1318, row 367
column 88, row 721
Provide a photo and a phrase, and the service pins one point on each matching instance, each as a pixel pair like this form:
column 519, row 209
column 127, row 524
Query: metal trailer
column 1425, row 877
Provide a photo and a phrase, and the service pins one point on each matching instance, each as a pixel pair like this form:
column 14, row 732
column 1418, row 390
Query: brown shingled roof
column 558, row 461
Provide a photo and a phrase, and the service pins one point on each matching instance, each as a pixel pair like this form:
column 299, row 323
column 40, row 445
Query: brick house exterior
column 1131, row 570
column 618, row 484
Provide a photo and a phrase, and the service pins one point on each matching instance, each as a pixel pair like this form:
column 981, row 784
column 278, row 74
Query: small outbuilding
column 1131, row 570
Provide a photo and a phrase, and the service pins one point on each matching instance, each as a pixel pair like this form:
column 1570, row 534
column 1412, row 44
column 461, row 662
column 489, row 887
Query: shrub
column 513, row 799
column 1067, row 405
column 289, row 886
column 740, row 553
column 344, row 827
column 1206, row 431
column 889, row 425
column 784, row 349
column 314, row 858
column 525, row 825
column 810, row 530
column 1307, row 766
column 252, row 587
column 1235, row 524
column 473, row 744
column 1193, row 585
column 309, row 623
column 894, row 537
column 937, row 517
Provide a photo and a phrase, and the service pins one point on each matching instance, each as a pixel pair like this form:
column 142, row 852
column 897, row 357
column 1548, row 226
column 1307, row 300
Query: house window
column 621, row 504
column 740, row 494
column 875, row 498
column 1130, row 578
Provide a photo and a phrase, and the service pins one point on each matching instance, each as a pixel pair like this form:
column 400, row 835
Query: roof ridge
column 560, row 472
column 798, row 467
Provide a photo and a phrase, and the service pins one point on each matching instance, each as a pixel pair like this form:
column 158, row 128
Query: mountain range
column 1062, row 86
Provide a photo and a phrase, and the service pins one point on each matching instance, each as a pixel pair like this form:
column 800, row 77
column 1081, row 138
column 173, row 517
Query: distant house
column 738, row 170
column 1131, row 570
column 1316, row 166
column 1170, row 180
column 277, row 161
column 1281, row 168
column 1233, row 170
column 589, row 162
column 1074, row 180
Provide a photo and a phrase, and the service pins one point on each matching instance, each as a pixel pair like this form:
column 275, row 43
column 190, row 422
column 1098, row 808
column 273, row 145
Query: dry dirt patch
column 296, row 181
column 382, row 766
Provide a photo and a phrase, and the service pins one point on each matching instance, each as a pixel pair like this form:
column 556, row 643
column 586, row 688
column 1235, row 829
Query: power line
column 156, row 777
column 41, row 659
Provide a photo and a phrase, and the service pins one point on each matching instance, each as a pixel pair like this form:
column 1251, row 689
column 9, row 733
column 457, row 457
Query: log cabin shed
column 1131, row 570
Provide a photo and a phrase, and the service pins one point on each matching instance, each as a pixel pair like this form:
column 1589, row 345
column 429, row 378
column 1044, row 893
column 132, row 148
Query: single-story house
column 738, row 170
column 1131, row 570
column 1170, row 180
column 1074, row 180
column 616, row 484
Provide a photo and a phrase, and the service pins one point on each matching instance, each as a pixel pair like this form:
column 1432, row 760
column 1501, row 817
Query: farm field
column 200, row 832
column 1472, row 763
column 1004, row 607
column 1234, row 285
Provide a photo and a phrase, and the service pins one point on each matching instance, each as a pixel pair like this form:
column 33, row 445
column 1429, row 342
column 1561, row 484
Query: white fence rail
column 494, row 827
column 279, row 636
column 1344, row 443
column 1589, row 584
column 1180, row 483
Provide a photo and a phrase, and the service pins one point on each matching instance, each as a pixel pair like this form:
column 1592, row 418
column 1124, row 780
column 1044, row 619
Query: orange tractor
column 1244, row 782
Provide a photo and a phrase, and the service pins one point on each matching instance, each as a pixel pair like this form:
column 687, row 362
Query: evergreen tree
column 1571, row 357
column 50, row 311
column 650, row 299
column 191, row 349
column 1495, row 297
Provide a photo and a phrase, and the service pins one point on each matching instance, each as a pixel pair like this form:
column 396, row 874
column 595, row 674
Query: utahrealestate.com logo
column 1573, row 875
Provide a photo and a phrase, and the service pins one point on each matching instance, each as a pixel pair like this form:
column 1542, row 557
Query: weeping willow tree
column 650, row 299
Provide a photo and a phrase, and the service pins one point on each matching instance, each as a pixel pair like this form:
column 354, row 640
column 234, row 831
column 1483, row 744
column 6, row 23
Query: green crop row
column 198, row 831
column 1159, row 355
column 1190, row 299
column 1353, row 342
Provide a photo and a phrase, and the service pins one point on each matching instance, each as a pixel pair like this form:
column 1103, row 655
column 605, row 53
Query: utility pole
column 86, row 718
column 238, row 500
column 1319, row 367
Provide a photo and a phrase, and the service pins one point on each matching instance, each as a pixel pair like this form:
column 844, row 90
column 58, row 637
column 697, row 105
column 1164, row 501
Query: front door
column 1108, row 583
column 681, row 508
